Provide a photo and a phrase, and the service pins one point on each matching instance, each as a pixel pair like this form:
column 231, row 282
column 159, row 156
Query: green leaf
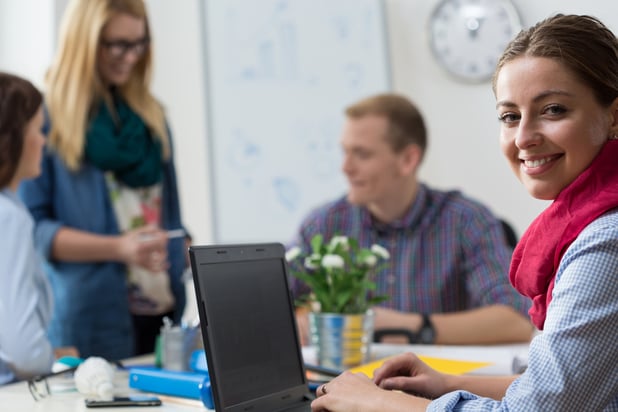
column 342, row 299
column 376, row 299
column 353, row 244
column 316, row 243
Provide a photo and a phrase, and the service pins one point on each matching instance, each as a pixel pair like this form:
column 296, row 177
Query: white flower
column 332, row 262
column 380, row 251
column 370, row 260
column 292, row 254
column 339, row 240
column 312, row 262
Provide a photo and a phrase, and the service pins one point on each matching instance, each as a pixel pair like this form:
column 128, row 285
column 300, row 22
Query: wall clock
column 468, row 36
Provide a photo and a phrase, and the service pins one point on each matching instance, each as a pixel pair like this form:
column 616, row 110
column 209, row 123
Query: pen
column 171, row 234
column 322, row 370
column 174, row 233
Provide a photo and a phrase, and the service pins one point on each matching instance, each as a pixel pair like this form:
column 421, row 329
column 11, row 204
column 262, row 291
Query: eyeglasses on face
column 119, row 48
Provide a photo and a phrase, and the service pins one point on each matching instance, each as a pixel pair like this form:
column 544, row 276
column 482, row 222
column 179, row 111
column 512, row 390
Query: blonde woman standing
column 107, row 192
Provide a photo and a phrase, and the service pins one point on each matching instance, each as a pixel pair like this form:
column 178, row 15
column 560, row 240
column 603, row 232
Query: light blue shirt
column 25, row 296
column 573, row 364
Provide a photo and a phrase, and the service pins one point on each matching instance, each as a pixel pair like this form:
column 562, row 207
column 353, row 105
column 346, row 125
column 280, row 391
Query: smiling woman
column 123, row 42
column 552, row 129
column 557, row 91
column 107, row 192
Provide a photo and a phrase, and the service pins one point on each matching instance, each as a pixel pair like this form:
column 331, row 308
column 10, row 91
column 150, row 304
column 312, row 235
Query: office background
column 463, row 130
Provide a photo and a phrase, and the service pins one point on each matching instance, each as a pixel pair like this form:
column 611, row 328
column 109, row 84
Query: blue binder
column 194, row 385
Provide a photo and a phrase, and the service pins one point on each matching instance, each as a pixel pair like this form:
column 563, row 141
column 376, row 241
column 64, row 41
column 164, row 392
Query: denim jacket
column 91, row 298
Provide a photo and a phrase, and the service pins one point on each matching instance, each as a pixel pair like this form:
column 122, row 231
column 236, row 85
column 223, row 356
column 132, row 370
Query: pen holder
column 177, row 343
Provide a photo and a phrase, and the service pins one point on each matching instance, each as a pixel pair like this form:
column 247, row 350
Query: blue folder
column 194, row 385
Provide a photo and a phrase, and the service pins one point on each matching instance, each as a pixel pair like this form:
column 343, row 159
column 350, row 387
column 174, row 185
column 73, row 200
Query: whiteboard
column 279, row 74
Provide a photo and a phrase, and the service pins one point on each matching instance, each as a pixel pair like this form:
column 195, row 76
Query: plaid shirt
column 448, row 252
column 573, row 364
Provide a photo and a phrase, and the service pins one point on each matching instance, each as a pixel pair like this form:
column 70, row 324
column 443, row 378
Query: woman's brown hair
column 581, row 43
column 19, row 103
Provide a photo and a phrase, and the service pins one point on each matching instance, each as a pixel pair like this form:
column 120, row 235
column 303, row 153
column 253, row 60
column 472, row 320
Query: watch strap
column 380, row 334
column 426, row 333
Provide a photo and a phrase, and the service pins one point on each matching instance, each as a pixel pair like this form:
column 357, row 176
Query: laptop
column 249, row 330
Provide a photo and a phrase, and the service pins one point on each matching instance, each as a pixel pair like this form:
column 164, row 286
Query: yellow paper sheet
column 450, row 366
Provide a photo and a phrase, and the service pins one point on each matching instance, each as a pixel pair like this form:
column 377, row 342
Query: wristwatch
column 427, row 333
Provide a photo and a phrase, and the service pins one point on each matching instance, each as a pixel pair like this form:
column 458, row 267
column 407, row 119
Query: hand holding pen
column 147, row 247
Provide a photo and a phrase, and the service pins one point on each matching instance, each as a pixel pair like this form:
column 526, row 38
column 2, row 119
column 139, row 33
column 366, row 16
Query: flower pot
column 342, row 341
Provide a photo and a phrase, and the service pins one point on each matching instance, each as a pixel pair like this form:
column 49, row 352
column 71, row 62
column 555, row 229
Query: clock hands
column 473, row 25
column 473, row 18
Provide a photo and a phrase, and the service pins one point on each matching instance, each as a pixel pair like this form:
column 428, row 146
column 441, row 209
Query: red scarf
column 538, row 253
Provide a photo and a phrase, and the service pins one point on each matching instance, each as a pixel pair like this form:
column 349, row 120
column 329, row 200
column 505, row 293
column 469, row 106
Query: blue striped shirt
column 573, row 364
column 448, row 252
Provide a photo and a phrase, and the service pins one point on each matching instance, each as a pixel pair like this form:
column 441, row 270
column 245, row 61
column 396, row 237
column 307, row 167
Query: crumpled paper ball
column 95, row 377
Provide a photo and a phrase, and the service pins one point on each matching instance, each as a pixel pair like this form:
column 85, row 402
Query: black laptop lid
column 248, row 327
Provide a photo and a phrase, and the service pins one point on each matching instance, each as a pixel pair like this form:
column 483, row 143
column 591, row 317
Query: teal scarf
column 123, row 146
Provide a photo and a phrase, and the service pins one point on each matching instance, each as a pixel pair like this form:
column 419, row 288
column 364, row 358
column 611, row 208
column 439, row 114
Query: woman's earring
column 613, row 136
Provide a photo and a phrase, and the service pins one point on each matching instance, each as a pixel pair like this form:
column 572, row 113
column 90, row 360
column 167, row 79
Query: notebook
column 248, row 327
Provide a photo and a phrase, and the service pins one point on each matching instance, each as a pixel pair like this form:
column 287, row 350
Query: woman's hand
column 356, row 392
column 407, row 373
column 348, row 392
column 145, row 247
column 66, row 351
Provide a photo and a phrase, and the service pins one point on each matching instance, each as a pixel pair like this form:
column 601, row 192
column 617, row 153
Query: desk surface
column 500, row 356
column 16, row 397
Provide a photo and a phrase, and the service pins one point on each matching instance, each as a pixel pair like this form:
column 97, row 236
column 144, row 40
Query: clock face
column 468, row 36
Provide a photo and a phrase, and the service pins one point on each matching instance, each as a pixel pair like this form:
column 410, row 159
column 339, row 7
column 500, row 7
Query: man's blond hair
column 406, row 124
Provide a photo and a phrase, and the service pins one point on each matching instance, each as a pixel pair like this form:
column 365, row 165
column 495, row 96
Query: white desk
column 17, row 398
column 64, row 398
column 501, row 356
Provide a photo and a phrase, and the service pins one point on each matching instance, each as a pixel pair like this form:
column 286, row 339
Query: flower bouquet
column 339, row 274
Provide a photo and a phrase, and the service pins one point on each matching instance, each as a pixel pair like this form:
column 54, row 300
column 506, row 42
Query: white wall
column 27, row 32
column 463, row 150
column 179, row 84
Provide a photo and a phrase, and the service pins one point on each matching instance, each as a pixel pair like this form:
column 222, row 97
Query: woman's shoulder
column 595, row 250
column 15, row 220
column 605, row 226
column 11, row 207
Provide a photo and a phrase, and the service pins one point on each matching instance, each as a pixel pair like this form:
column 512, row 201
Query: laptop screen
column 250, row 334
